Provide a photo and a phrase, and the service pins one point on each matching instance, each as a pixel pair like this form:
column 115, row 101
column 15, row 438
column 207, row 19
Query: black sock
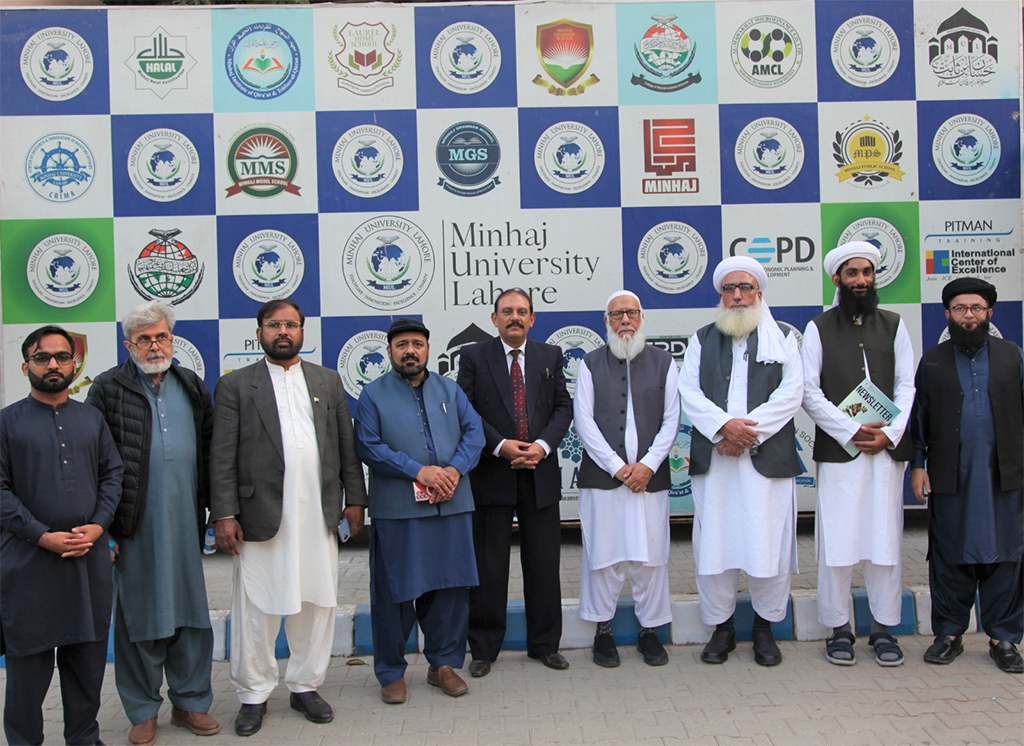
column 760, row 622
column 604, row 628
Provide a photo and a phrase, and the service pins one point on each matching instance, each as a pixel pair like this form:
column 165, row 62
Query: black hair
column 518, row 291
column 271, row 306
column 50, row 330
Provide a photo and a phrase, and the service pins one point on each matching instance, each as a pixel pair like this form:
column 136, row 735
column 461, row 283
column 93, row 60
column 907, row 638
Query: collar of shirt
column 280, row 370
column 508, row 356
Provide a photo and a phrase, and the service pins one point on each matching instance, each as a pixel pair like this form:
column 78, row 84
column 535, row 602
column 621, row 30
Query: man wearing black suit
column 518, row 388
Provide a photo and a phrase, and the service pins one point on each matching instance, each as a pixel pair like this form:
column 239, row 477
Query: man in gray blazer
column 283, row 464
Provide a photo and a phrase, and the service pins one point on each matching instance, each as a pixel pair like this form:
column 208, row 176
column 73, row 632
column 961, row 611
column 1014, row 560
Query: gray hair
column 145, row 315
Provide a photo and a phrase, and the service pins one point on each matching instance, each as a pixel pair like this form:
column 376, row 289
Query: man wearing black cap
column 968, row 431
column 420, row 436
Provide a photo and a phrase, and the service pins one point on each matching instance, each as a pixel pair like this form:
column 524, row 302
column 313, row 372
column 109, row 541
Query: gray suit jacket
column 247, row 455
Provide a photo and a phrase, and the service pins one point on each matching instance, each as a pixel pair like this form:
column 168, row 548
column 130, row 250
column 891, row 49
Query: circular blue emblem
column 468, row 155
column 262, row 61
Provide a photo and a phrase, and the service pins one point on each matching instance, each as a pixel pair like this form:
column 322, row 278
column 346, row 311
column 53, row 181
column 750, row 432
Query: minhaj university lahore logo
column 362, row 360
column 160, row 62
column 262, row 162
column 465, row 58
column 468, row 155
column 565, row 49
column 188, row 356
column 365, row 63
column 262, row 61
column 56, row 64
column 576, row 342
column 672, row 257
column 963, row 52
column 670, row 150
column 163, row 165
column 569, row 157
column 62, row 270
column 884, row 236
column 868, row 154
column 388, row 263
column 769, row 153
column 966, row 149
column 268, row 265
column 166, row 269
column 60, row 167
column 767, row 51
column 865, row 51
column 367, row 161
column 665, row 53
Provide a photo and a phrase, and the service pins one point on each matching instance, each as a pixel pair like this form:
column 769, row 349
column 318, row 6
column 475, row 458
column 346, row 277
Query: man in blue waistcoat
column 420, row 436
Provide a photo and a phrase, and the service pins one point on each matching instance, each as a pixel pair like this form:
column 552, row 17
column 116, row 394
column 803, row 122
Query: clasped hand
column 635, row 476
column 442, row 482
column 74, row 543
column 738, row 434
column 870, row 439
column 522, row 455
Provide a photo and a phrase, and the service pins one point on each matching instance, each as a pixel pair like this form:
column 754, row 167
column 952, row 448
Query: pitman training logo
column 60, row 167
column 365, row 63
column 569, row 157
column 576, row 342
column 884, row 236
column 963, row 52
column 56, row 63
column 865, row 51
column 367, row 161
column 665, row 52
column 565, row 49
column 262, row 162
column 868, row 154
column 767, row 51
column 966, row 149
column 268, row 265
column 160, row 62
column 362, row 360
column 769, row 153
column 163, row 165
column 468, row 155
column 262, row 61
column 62, row 270
column 465, row 58
column 166, row 269
column 672, row 257
column 388, row 263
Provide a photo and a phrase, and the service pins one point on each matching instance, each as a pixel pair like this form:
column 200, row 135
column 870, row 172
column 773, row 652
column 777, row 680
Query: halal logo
column 60, row 167
column 963, row 52
column 865, row 51
column 966, row 149
column 56, row 63
column 565, row 49
column 388, row 263
column 362, row 360
column 665, row 52
column 465, row 58
column 468, row 155
column 262, row 163
column 262, row 61
column 268, row 265
column 673, row 257
column 769, row 153
column 884, row 236
column 868, row 153
column 767, row 51
column 367, row 161
column 569, row 157
column 365, row 63
column 575, row 342
column 166, row 269
column 163, row 165
column 62, row 270
column 160, row 63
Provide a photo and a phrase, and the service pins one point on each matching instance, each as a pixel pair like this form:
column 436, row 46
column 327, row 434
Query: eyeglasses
column 960, row 310
column 632, row 313
column 43, row 358
column 744, row 287
column 145, row 343
column 275, row 325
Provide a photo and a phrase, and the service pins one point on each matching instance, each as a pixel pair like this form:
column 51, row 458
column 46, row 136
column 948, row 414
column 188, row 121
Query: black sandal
column 885, row 644
column 841, row 642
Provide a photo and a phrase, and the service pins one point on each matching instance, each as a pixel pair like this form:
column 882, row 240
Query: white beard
column 739, row 322
column 626, row 348
column 154, row 366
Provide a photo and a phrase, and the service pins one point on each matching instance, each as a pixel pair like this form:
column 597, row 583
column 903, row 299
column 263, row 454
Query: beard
column 626, row 348
column 154, row 362
column 286, row 350
column 972, row 339
column 409, row 367
column 739, row 321
column 50, row 382
column 858, row 305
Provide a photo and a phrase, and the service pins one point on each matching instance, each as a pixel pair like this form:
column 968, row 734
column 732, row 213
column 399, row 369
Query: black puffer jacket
column 119, row 395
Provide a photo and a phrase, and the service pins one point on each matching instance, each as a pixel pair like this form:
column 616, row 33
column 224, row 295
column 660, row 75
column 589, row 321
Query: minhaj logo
column 670, row 150
column 963, row 52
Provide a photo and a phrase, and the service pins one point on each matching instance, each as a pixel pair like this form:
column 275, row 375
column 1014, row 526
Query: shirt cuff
column 543, row 444
column 34, row 531
column 497, row 451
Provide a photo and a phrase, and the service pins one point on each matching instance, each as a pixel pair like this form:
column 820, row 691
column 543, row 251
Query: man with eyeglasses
column 860, row 494
column 161, row 417
column 740, row 386
column 284, row 473
column 968, row 434
column 627, row 416
column 60, row 480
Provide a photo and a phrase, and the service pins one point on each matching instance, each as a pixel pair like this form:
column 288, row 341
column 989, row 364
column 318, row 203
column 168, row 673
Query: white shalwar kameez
column 294, row 574
column 859, row 511
column 742, row 519
column 622, row 530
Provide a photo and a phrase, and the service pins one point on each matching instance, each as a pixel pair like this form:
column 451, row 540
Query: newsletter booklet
column 866, row 403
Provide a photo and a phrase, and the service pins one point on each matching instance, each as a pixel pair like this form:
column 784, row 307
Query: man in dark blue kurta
column 60, row 481
column 416, row 427
column 968, row 431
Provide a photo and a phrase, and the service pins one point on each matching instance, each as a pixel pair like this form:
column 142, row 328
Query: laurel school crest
column 56, row 63
column 565, row 49
column 388, row 263
column 60, row 167
column 468, row 155
column 160, row 62
column 767, row 51
column 672, row 257
column 262, row 162
column 865, row 51
column 367, row 161
column 268, row 265
column 963, row 51
column 884, row 236
column 166, row 269
column 665, row 52
column 262, row 61
column 569, row 157
column 966, row 149
column 575, row 342
column 62, row 270
column 769, row 153
column 465, row 58
column 163, row 165
column 868, row 154
column 365, row 63
column 362, row 360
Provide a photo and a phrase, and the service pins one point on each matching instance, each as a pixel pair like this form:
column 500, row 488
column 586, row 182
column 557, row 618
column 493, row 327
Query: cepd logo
column 670, row 147
column 779, row 250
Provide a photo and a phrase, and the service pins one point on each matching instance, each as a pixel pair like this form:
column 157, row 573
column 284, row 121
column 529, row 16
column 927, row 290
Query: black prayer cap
column 969, row 286
column 399, row 326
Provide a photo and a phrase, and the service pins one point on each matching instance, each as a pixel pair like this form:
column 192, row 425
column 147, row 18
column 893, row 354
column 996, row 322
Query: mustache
column 510, row 324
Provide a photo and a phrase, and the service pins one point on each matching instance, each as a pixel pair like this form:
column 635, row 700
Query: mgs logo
column 576, row 342
column 865, row 51
column 362, row 360
column 166, row 269
column 565, row 49
column 468, row 154
column 60, row 167
column 62, row 270
column 966, row 149
column 767, row 51
column 262, row 61
column 769, row 153
column 569, row 157
column 365, row 63
column 887, row 239
column 963, row 52
column 465, row 58
column 665, row 52
column 163, row 165
column 268, row 265
column 56, row 63
column 670, row 147
column 160, row 63
column 262, row 162
column 672, row 257
column 868, row 154
column 388, row 263
column 367, row 161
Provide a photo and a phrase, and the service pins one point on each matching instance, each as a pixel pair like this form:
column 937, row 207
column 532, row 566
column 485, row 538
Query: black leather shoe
column 722, row 642
column 312, row 705
column 553, row 660
column 1005, row 654
column 944, row 650
column 249, row 719
column 766, row 651
column 653, row 651
column 478, row 669
column 606, row 654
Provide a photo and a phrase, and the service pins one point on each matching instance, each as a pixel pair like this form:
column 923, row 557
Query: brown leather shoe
column 447, row 681
column 394, row 693
column 143, row 734
column 199, row 723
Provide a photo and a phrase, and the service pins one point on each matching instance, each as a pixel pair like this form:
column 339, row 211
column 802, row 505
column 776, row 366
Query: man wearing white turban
column 860, row 497
column 740, row 386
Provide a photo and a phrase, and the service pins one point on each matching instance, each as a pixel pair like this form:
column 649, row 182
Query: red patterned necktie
column 519, row 399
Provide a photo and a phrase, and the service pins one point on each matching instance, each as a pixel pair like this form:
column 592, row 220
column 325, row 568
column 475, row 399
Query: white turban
column 771, row 342
column 619, row 293
column 740, row 264
column 853, row 250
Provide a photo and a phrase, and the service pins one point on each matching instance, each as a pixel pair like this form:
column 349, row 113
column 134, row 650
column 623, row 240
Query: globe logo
column 388, row 265
column 163, row 166
column 967, row 151
column 367, row 161
column 465, row 58
column 268, row 266
column 572, row 359
column 672, row 259
column 570, row 158
column 372, row 366
column 57, row 65
column 769, row 154
column 865, row 52
column 166, row 269
column 63, row 270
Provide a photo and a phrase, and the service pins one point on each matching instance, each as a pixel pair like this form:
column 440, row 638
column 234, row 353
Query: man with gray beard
column 624, row 478
column 741, row 384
